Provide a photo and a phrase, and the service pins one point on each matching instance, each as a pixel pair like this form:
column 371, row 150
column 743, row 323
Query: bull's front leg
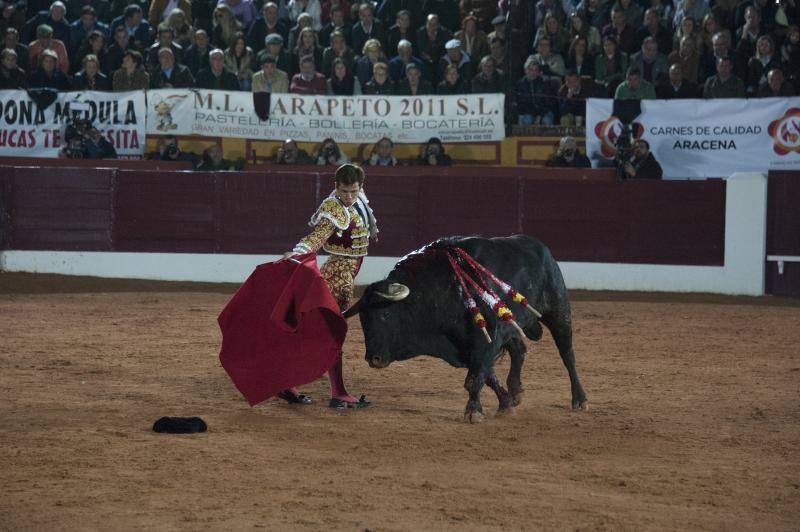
column 503, row 397
column 473, row 384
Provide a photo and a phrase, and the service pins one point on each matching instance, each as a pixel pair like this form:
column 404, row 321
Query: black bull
column 419, row 309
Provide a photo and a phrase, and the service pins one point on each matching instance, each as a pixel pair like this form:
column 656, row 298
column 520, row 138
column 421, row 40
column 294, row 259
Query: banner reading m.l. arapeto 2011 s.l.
column 30, row 130
column 356, row 119
column 704, row 138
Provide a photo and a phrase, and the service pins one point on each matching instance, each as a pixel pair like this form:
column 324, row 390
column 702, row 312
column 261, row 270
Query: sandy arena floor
column 694, row 423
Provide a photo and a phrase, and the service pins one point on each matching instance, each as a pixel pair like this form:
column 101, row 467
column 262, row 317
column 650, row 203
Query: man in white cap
column 454, row 55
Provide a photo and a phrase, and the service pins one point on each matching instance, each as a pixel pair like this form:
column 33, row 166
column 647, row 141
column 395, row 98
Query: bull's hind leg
column 503, row 397
column 561, row 329
column 473, row 384
column 516, row 351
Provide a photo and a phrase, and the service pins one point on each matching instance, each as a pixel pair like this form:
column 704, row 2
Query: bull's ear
column 353, row 310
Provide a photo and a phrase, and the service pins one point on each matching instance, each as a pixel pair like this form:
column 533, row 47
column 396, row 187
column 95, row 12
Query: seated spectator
column 557, row 36
column 708, row 28
column 579, row 28
column 552, row 63
column 579, row 59
column 536, row 100
column 131, row 76
column 761, row 63
column 329, row 154
column 75, row 8
column 725, row 84
column 456, row 56
column 633, row 13
column 452, row 83
column 498, row 28
column 497, row 49
column 342, row 82
column 634, row 87
column 273, row 45
column 720, row 48
column 11, row 76
column 267, row 23
column 568, row 155
column 270, row 78
column 473, row 41
column 489, row 79
column 542, row 7
column 446, row 10
column 55, row 17
column 122, row 43
column 790, row 51
column 90, row 78
column 243, row 11
column 196, row 56
column 405, row 55
column 239, row 60
column 594, row 13
column 160, row 10
column 372, row 54
column 775, row 86
column 217, row 76
column 95, row 45
column 380, row 83
column 183, row 30
column 289, row 153
column 431, row 39
column 624, row 34
column 687, row 57
column 338, row 49
column 642, row 165
column 138, row 29
column 48, row 76
column 308, row 80
column 611, row 65
column 694, row 9
column 45, row 41
column 168, row 150
column 11, row 42
column 747, row 36
column 169, row 74
column 336, row 23
column 307, row 46
column 572, row 99
column 81, row 28
column 402, row 31
column 303, row 21
column 652, row 28
column 677, row 86
column 433, row 154
column 83, row 141
column 226, row 26
column 346, row 7
column 367, row 28
column 383, row 154
column 312, row 7
column 212, row 161
column 165, row 40
column 652, row 64
column 413, row 84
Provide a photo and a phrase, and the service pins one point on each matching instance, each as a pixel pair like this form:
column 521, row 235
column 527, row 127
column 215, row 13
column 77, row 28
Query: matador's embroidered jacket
column 340, row 230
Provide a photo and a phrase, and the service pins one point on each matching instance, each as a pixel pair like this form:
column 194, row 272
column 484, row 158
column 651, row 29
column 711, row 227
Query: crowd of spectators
column 546, row 55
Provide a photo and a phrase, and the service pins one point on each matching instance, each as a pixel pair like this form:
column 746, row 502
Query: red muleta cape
column 282, row 328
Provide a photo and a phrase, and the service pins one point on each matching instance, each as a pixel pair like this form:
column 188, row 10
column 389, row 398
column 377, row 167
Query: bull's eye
column 383, row 316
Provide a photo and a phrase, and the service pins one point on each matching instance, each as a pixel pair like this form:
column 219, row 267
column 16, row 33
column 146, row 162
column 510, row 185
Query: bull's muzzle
column 376, row 361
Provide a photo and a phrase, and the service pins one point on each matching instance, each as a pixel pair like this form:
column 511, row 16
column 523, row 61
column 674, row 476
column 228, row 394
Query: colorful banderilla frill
column 481, row 288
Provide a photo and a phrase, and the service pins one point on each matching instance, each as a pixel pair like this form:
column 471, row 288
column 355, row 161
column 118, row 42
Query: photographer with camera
column 83, row 141
column 290, row 153
column 568, row 155
column 638, row 162
column 434, row 155
column 329, row 153
column 168, row 150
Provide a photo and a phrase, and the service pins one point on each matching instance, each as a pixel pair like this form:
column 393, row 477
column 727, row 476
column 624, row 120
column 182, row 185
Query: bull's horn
column 353, row 310
column 395, row 292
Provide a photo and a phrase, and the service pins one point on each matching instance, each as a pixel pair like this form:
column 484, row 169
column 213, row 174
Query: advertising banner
column 32, row 129
column 703, row 138
column 349, row 119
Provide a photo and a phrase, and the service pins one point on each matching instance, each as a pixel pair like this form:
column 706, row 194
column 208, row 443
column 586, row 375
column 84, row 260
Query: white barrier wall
column 742, row 273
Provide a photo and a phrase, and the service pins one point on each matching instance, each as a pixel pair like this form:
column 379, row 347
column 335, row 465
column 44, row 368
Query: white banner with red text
column 351, row 119
column 703, row 138
column 32, row 129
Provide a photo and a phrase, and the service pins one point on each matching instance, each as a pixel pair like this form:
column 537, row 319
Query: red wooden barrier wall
column 582, row 215
column 783, row 232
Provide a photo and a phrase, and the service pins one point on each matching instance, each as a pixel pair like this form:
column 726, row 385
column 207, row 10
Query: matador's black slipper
column 180, row 425
column 293, row 398
column 338, row 404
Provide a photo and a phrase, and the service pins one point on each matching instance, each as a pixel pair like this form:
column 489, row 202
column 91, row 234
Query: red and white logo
column 608, row 132
column 785, row 131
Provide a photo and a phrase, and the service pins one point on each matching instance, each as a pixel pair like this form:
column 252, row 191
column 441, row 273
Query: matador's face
column 348, row 194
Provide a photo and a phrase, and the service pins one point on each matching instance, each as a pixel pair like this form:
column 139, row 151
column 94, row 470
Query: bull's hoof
column 516, row 399
column 580, row 405
column 506, row 411
column 473, row 416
